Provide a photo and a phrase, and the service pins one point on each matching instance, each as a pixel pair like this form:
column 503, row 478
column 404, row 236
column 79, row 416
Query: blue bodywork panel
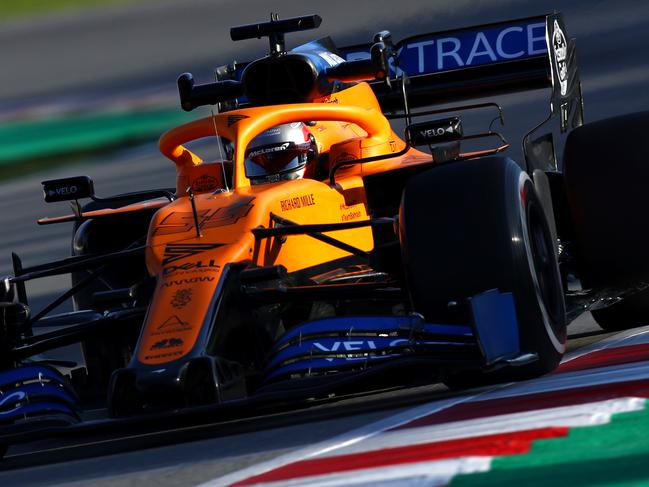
column 496, row 327
column 30, row 373
column 464, row 48
column 34, row 392
column 369, row 324
column 340, row 344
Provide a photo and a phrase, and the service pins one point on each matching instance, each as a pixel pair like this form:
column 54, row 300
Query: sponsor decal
column 560, row 47
column 15, row 397
column 201, row 266
column 204, row 183
column 183, row 221
column 431, row 53
column 182, row 297
column 349, row 213
column 354, row 346
column 173, row 324
column 269, row 150
column 163, row 355
column 297, row 202
column 352, row 215
column 167, row 343
column 435, row 132
column 232, row 119
column 63, row 191
column 191, row 280
column 174, row 252
column 269, row 132
column 344, row 207
column 67, row 188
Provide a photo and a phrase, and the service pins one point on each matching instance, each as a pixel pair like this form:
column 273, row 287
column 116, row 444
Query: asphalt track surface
column 75, row 56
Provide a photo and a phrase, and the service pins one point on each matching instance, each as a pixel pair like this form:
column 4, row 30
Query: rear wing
column 454, row 65
column 473, row 62
column 485, row 61
column 480, row 61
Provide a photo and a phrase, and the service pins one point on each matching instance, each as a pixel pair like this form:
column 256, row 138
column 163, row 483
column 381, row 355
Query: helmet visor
column 275, row 159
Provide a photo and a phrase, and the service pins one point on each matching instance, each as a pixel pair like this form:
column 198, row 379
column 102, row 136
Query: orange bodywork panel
column 349, row 125
column 144, row 205
column 188, row 266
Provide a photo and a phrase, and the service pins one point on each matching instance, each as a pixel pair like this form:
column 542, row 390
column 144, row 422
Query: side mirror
column 68, row 189
column 194, row 96
column 434, row 132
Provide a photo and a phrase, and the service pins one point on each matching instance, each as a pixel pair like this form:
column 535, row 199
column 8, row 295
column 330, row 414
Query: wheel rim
column 543, row 261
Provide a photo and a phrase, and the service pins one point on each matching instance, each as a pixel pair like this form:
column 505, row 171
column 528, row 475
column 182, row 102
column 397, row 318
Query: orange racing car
column 319, row 252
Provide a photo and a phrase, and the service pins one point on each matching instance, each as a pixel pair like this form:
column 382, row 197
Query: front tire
column 468, row 227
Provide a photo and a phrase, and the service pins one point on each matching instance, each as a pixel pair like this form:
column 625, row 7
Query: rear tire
column 471, row 226
column 628, row 313
column 606, row 166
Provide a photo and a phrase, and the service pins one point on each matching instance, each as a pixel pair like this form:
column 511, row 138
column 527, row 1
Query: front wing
column 313, row 359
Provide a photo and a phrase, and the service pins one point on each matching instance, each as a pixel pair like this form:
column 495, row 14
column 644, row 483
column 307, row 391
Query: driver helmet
column 280, row 153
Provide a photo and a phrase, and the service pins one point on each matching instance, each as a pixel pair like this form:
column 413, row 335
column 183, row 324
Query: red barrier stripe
column 530, row 402
column 514, row 443
column 607, row 357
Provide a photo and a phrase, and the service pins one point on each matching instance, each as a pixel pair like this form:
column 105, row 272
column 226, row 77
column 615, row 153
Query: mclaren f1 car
column 321, row 253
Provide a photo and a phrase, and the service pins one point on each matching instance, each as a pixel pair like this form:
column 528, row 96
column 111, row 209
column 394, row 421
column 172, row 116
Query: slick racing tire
column 628, row 313
column 468, row 227
column 606, row 168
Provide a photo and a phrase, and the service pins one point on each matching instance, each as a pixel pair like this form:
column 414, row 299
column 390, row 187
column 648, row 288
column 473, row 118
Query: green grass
column 55, row 137
column 16, row 9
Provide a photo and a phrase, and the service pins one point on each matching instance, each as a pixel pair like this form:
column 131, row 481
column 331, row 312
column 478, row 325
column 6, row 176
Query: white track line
column 429, row 474
column 575, row 380
column 567, row 416
column 341, row 441
column 440, row 472
column 624, row 338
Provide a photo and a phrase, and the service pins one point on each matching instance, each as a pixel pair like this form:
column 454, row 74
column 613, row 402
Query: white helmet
column 280, row 153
